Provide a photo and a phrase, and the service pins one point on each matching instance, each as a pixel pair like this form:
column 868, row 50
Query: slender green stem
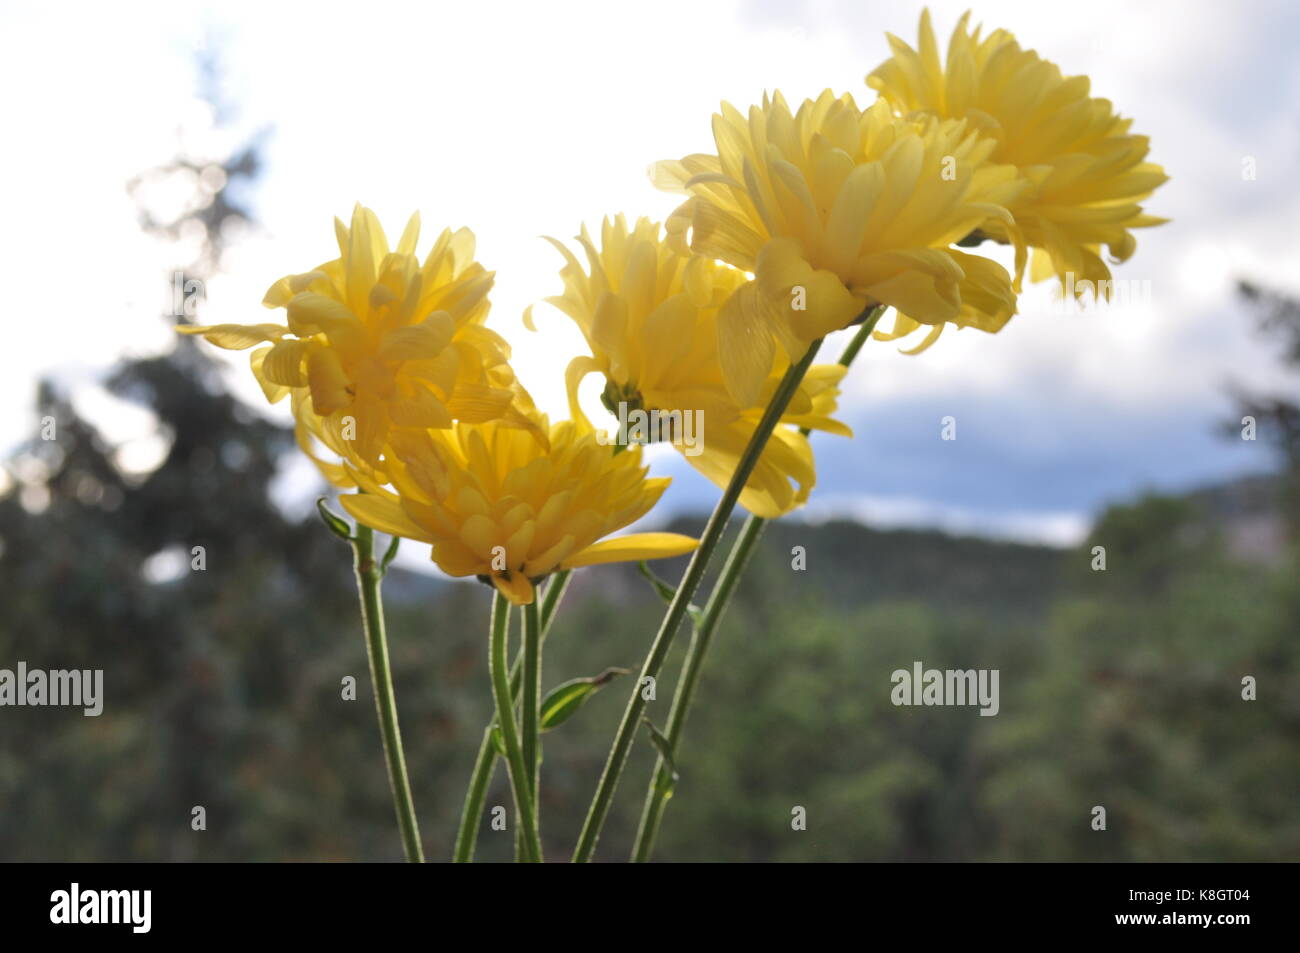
column 712, row 534
column 485, row 763
column 369, row 575
column 475, row 795
column 509, row 731
column 531, row 703
column 551, row 598
column 521, row 849
column 661, row 780
column 850, row 353
column 660, row 786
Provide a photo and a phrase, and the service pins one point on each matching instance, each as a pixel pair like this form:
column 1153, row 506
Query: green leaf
column 668, row 593
column 564, row 700
column 389, row 554
column 498, row 741
column 335, row 523
column 666, row 778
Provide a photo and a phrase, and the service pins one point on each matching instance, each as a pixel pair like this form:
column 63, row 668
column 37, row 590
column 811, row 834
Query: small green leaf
column 564, row 700
column 498, row 741
column 335, row 523
column 665, row 780
column 389, row 554
column 658, row 739
column 666, row 592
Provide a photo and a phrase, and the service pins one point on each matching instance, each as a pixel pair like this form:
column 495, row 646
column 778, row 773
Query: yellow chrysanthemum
column 377, row 342
column 496, row 503
column 650, row 318
column 834, row 208
column 1087, row 172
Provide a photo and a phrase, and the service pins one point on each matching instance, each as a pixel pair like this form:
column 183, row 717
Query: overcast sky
column 526, row 119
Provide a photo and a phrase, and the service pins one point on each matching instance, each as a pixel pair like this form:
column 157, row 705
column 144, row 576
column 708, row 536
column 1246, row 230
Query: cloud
column 526, row 119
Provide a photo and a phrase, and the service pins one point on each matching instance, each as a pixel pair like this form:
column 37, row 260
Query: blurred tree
column 169, row 581
column 1277, row 415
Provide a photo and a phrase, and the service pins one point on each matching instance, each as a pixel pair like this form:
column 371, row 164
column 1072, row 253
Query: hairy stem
column 369, row 574
column 709, row 540
column 485, row 763
column 509, row 731
column 657, row 794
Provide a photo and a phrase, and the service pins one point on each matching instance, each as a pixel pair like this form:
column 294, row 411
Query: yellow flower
column 835, row 208
column 650, row 318
column 1087, row 172
column 496, row 503
column 377, row 342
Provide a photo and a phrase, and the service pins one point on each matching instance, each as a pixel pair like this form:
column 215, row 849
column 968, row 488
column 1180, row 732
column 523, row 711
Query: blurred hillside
column 1119, row 688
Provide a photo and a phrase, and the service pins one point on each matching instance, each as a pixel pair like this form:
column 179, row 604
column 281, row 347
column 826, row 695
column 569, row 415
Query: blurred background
column 214, row 143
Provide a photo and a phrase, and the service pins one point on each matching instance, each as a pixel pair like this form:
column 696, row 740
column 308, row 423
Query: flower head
column 377, row 342
column 836, row 208
column 1087, row 173
column 494, row 502
column 650, row 319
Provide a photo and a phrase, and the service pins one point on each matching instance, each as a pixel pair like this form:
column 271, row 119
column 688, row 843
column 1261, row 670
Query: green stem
column 712, row 534
column 531, row 703
column 485, row 763
column 660, row 782
column 369, row 575
column 475, row 795
column 509, row 732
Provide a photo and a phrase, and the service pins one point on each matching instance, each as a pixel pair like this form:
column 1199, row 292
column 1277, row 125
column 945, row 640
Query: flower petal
column 633, row 547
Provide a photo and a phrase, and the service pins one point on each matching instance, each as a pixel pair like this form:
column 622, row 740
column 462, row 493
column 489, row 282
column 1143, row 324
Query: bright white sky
column 524, row 119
